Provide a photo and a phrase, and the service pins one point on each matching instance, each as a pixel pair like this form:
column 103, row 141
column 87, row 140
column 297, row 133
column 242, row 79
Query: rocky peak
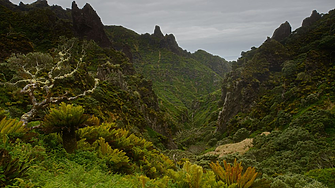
column 283, row 31
column 315, row 16
column 41, row 4
column 8, row 4
column 168, row 41
column 171, row 43
column 158, row 33
column 87, row 24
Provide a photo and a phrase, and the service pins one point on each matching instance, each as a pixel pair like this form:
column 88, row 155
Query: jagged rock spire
column 315, row 16
column 87, row 24
column 283, row 31
column 158, row 33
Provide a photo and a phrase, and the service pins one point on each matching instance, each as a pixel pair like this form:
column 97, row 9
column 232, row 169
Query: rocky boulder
column 87, row 25
column 283, row 31
column 315, row 16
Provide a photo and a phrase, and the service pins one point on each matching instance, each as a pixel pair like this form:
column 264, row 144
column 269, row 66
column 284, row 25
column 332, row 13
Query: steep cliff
column 181, row 80
column 87, row 25
column 283, row 31
column 269, row 86
column 315, row 16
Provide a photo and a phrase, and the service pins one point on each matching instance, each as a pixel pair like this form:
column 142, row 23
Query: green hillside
column 139, row 111
column 180, row 79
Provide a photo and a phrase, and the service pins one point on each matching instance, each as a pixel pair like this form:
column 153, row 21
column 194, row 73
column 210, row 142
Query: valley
column 89, row 105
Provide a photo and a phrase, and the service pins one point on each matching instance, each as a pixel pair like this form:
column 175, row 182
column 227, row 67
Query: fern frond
column 10, row 126
column 65, row 116
column 233, row 174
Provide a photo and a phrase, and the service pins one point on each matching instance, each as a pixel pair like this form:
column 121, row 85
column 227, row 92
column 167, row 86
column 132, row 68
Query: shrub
column 10, row 126
column 294, row 150
column 116, row 159
column 140, row 152
column 295, row 180
column 325, row 176
column 65, row 173
column 240, row 135
column 315, row 121
column 192, row 175
column 10, row 168
column 65, row 119
column 233, row 174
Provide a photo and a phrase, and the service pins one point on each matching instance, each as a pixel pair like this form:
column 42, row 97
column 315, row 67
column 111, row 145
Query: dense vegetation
column 97, row 122
column 181, row 80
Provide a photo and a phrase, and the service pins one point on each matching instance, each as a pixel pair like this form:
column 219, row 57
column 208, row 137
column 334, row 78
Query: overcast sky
column 221, row 27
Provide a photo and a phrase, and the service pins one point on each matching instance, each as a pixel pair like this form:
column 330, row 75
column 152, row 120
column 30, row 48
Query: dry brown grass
column 240, row 147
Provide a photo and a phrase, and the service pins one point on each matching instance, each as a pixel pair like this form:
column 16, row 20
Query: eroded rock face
column 315, row 16
column 168, row 41
column 283, row 31
column 87, row 25
column 158, row 33
column 239, row 98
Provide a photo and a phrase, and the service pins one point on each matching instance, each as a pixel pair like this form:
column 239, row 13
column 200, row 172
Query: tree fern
column 233, row 174
column 65, row 116
column 193, row 176
column 8, row 126
column 66, row 119
column 116, row 159
column 140, row 151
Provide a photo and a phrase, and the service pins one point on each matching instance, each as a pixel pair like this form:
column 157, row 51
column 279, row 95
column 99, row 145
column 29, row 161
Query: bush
column 325, row 176
column 294, row 150
column 233, row 174
column 10, row 168
column 140, row 152
column 69, row 174
column 192, row 175
column 65, row 119
column 295, row 180
column 315, row 121
column 240, row 135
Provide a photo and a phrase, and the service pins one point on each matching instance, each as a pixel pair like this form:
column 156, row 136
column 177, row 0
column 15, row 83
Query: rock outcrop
column 315, row 16
column 240, row 97
column 87, row 25
column 168, row 41
column 8, row 4
column 283, row 31
column 40, row 4
column 158, row 33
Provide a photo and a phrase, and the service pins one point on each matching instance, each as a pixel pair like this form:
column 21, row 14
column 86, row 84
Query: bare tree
column 39, row 72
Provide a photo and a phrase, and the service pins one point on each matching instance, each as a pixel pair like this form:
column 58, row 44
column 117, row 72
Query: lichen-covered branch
column 39, row 72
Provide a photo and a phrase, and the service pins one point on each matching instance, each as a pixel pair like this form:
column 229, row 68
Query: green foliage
column 315, row 121
column 240, row 135
column 70, row 174
column 295, row 180
column 10, row 126
column 325, row 176
column 139, row 151
column 10, row 168
column 115, row 158
column 64, row 118
column 179, row 79
column 233, row 174
column 294, row 150
column 3, row 113
column 192, row 175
